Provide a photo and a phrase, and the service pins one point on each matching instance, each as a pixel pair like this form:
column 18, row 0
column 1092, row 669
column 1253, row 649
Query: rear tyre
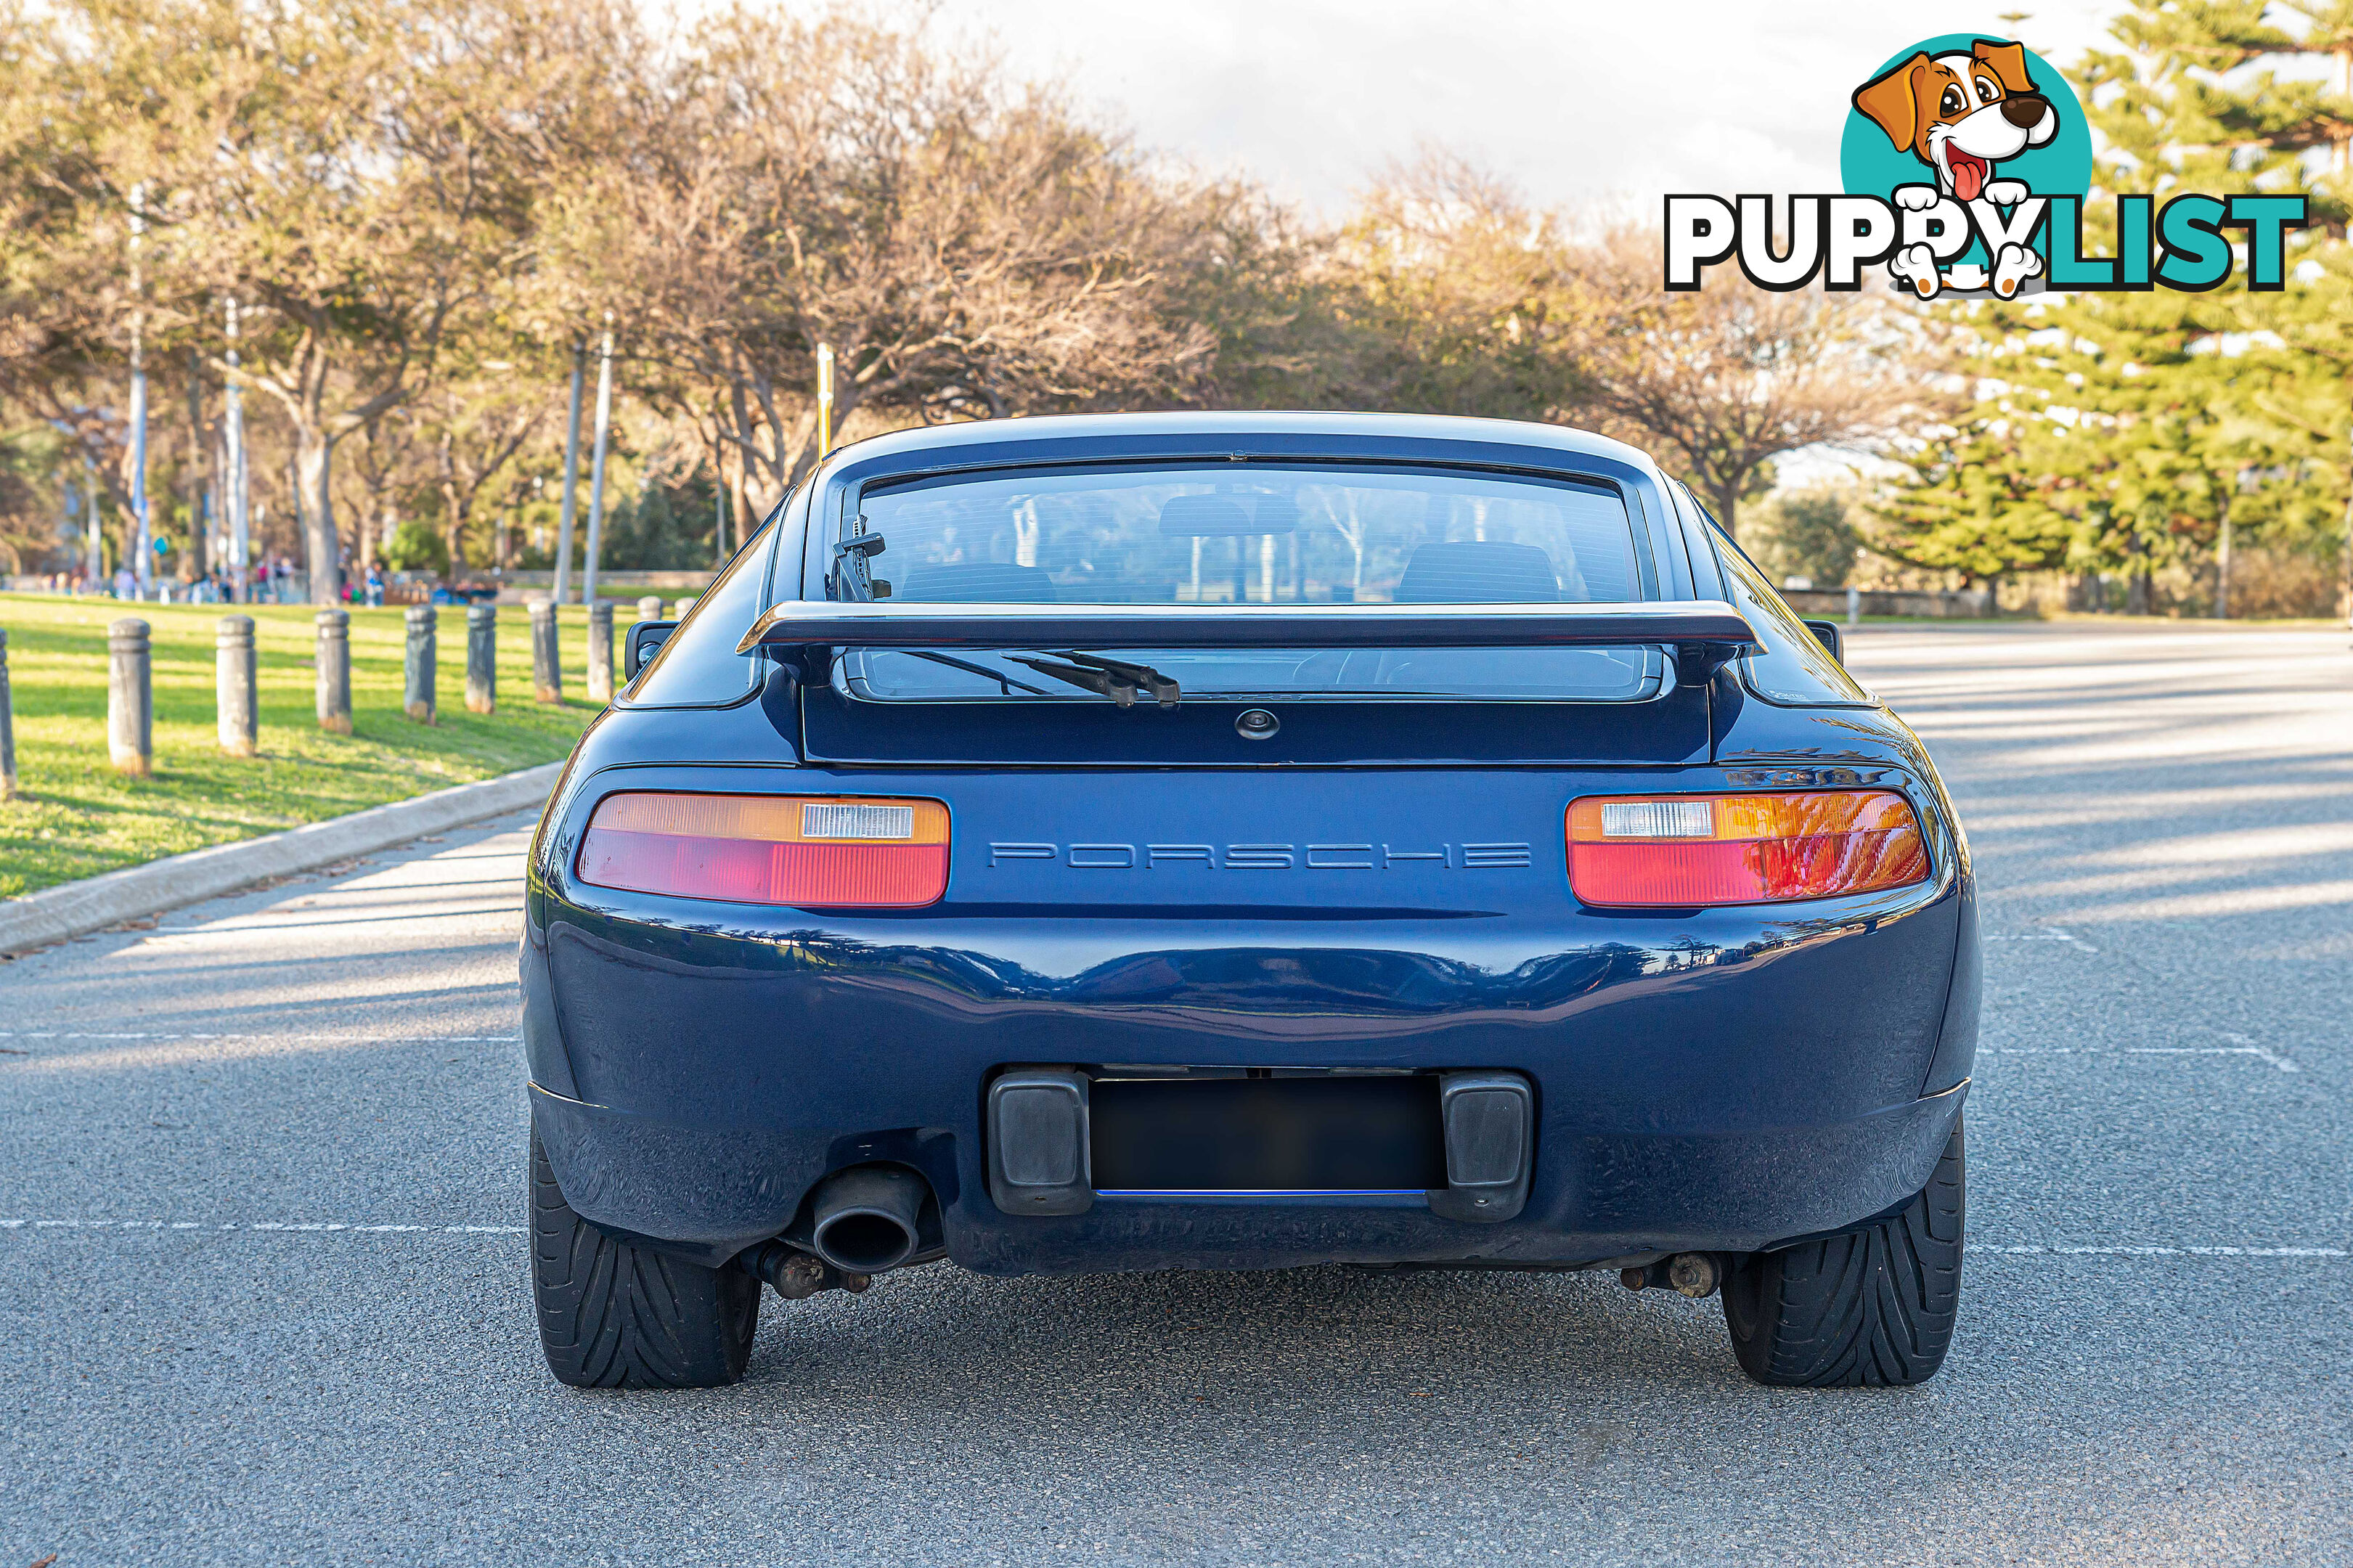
column 616, row 1316
column 1873, row 1309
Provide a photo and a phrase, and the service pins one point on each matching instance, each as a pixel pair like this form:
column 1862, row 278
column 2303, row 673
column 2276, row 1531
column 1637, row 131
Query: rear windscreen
column 1223, row 534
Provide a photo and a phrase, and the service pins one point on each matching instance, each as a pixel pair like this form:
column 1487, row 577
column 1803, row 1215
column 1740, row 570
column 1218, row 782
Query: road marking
column 2272, row 1057
column 325, row 1227
column 354, row 1039
column 2165, row 1251
column 2053, row 935
column 271, row 1226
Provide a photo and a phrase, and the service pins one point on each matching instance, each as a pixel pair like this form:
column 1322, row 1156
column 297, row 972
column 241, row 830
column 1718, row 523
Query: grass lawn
column 74, row 816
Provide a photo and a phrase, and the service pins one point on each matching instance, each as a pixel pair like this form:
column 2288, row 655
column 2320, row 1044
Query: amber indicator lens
column 817, row 851
column 1685, row 851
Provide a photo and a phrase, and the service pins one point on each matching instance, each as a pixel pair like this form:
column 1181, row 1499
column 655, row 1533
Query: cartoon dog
column 1961, row 115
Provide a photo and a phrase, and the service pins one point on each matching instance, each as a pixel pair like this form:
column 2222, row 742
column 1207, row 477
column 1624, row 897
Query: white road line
column 354, row 1039
column 288, row 1227
column 2165, row 1251
column 2053, row 935
column 2258, row 1052
column 273, row 1226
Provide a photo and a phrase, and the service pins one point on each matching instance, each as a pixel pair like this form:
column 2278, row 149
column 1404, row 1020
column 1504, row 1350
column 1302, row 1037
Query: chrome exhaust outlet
column 864, row 1220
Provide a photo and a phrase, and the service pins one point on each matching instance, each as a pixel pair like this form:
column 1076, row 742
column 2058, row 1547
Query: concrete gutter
column 94, row 903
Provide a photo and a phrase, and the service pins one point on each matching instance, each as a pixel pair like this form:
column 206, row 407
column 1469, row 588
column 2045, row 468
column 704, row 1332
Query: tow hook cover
column 1489, row 1120
column 1037, row 1160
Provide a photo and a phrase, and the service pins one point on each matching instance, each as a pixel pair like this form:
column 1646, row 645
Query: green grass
column 74, row 816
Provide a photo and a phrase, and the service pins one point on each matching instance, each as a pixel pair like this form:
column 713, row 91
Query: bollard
column 649, row 608
column 678, row 611
column 1853, row 605
column 600, row 650
column 130, row 699
column 546, row 673
column 336, row 671
column 235, row 685
column 7, row 727
column 416, row 662
column 481, row 659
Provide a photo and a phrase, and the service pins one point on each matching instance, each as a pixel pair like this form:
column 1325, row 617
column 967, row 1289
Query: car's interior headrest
column 1477, row 572
column 979, row 583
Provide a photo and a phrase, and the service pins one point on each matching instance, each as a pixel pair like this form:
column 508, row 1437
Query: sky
column 1571, row 99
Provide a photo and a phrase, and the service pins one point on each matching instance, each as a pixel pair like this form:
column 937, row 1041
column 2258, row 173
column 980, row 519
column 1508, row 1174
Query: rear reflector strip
column 1682, row 852
column 838, row 820
column 1658, row 819
column 770, row 850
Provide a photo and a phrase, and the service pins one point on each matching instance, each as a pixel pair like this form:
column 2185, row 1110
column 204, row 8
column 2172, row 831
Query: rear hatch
column 1141, row 614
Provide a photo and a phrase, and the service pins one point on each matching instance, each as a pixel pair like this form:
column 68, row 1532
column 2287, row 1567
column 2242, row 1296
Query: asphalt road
column 261, row 1168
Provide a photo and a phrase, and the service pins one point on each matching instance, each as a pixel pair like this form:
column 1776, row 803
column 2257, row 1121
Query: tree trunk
column 739, row 497
column 1728, row 509
column 2223, row 565
column 314, row 452
column 2137, row 594
column 194, row 560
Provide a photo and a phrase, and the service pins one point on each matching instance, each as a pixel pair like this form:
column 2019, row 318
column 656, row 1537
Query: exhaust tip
column 864, row 1220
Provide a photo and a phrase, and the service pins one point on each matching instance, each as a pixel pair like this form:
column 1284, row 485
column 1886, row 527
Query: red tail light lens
column 819, row 850
column 1677, row 851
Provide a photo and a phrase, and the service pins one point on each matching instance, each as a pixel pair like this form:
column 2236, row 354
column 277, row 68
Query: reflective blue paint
column 1719, row 1079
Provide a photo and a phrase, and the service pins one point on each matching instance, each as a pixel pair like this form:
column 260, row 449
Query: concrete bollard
column 546, row 672
column 236, row 690
column 335, row 660
column 1853, row 605
column 416, row 662
column 481, row 659
column 600, row 651
column 130, row 699
column 8, row 726
column 678, row 611
column 649, row 608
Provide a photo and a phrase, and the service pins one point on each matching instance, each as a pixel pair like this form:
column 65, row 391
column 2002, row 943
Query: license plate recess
column 1326, row 1133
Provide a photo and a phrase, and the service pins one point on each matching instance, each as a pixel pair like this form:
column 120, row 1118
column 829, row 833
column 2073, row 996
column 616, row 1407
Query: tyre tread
column 612, row 1315
column 1871, row 1309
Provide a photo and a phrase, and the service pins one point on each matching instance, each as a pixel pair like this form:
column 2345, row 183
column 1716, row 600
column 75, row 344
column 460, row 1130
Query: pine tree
column 2143, row 427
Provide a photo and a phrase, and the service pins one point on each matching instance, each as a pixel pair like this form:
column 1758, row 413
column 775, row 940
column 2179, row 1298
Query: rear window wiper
column 1114, row 678
column 1006, row 682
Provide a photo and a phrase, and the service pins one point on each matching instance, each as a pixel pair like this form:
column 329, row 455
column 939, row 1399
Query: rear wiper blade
column 1004, row 680
column 1114, row 678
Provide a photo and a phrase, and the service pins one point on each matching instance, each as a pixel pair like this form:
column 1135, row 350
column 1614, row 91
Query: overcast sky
column 1570, row 99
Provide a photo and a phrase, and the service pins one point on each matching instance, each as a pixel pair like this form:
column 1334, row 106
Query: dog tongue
column 1968, row 178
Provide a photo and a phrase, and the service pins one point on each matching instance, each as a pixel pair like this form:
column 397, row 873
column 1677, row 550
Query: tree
column 1464, row 298
column 1731, row 377
column 779, row 183
column 477, row 430
column 1813, row 534
column 351, row 170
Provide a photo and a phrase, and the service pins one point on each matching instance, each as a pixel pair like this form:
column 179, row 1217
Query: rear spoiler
column 1703, row 632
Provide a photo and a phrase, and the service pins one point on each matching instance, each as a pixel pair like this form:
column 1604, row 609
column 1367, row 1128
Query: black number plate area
column 1319, row 1134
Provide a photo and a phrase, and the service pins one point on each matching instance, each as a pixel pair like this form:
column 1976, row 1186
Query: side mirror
column 1827, row 634
column 646, row 639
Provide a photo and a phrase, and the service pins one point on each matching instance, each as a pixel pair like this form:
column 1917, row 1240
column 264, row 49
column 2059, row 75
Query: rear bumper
column 1594, row 1197
column 1724, row 1082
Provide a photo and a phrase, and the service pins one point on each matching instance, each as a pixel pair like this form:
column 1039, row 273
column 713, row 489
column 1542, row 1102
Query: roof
column 1158, row 429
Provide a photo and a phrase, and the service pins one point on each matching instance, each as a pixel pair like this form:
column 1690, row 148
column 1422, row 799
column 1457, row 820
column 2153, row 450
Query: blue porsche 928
column 1072, row 845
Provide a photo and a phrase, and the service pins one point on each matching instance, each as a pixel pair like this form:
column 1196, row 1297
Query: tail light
column 819, row 850
column 1683, row 850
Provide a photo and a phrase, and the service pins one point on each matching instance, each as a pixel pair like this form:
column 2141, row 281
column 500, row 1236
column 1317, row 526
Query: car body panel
column 1143, row 887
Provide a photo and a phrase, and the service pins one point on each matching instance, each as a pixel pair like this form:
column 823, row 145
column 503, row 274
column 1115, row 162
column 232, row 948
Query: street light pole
column 94, row 537
column 824, row 400
column 143, row 547
column 571, row 477
column 597, row 467
column 233, row 421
